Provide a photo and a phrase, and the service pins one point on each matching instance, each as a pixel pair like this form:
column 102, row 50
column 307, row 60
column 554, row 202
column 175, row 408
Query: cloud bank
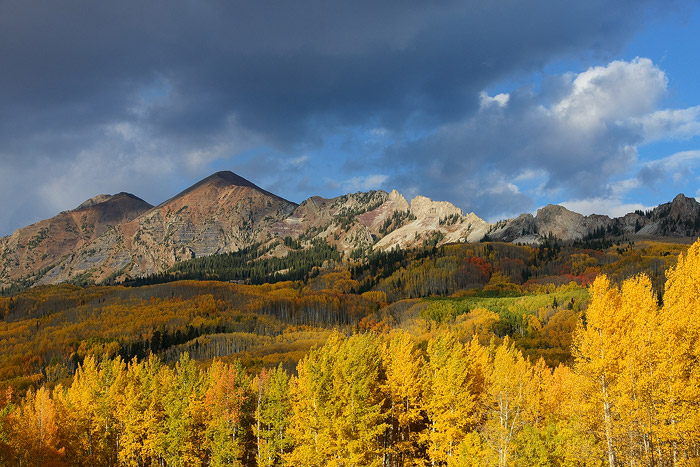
column 148, row 97
column 570, row 139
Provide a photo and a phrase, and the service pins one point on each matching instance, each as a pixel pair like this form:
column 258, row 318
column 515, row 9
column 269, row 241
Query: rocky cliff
column 679, row 218
column 221, row 213
column 120, row 236
column 31, row 251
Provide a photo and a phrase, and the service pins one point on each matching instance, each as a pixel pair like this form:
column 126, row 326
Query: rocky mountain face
column 220, row 214
column 363, row 222
column 437, row 222
column 32, row 250
column 115, row 237
column 677, row 219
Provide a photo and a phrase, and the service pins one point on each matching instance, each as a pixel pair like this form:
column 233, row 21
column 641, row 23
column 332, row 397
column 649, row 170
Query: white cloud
column 366, row 183
column 680, row 159
column 615, row 92
column 678, row 167
column 568, row 139
column 613, row 207
column 500, row 100
column 503, row 187
column 379, row 132
column 530, row 174
column 300, row 161
column 671, row 124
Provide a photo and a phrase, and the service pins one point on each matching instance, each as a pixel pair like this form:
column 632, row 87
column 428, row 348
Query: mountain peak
column 222, row 180
column 227, row 177
column 681, row 198
column 93, row 201
column 553, row 209
column 110, row 201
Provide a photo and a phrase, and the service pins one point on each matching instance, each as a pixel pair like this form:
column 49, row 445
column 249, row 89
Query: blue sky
column 499, row 108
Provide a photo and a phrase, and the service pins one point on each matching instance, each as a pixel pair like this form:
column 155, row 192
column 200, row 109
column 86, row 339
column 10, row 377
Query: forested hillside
column 485, row 354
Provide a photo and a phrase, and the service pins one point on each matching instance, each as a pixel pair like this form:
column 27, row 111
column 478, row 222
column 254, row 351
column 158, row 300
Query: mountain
column 377, row 220
column 677, row 219
column 112, row 238
column 221, row 213
column 31, row 251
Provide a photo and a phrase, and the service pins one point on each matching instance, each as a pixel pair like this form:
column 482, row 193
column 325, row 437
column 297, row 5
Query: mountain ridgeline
column 259, row 235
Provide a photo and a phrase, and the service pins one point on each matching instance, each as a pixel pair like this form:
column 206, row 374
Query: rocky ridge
column 116, row 237
column 32, row 251
column 219, row 214
column 677, row 219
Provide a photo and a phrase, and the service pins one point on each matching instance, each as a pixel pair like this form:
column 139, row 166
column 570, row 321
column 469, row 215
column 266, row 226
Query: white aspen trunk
column 608, row 424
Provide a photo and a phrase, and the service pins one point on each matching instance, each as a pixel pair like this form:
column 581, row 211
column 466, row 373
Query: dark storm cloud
column 276, row 65
column 158, row 86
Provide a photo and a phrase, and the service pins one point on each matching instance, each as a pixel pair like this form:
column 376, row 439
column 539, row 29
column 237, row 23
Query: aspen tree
column 680, row 411
column 6, row 408
column 180, row 442
column 404, row 367
column 93, row 397
column 358, row 422
column 272, row 416
column 640, row 382
column 132, row 414
column 36, row 431
column 448, row 401
column 511, row 396
column 314, row 406
column 224, row 402
column 596, row 349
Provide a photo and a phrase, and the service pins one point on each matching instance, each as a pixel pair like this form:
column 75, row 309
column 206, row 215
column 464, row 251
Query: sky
column 499, row 107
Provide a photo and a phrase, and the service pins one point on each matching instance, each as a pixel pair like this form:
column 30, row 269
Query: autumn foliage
column 476, row 379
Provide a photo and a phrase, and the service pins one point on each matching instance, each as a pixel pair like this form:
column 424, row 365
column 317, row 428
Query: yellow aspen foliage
column 271, row 416
column 183, row 412
column 448, row 401
column 337, row 416
column 36, row 437
column 597, row 349
column 471, row 452
column 558, row 397
column 358, row 424
column 5, row 433
column 140, row 413
column 636, row 364
column 130, row 414
column 511, row 396
column 639, row 387
column 680, row 328
column 92, row 398
column 404, row 367
column 477, row 322
column 224, row 401
column 313, row 406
